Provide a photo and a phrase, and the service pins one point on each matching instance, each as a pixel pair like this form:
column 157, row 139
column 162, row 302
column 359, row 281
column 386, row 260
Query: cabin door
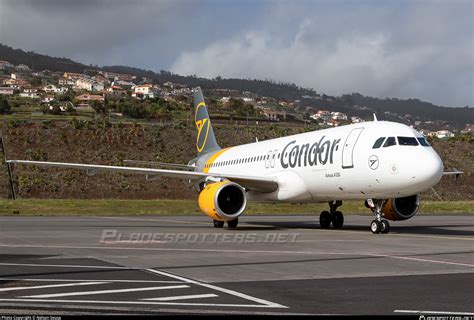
column 348, row 149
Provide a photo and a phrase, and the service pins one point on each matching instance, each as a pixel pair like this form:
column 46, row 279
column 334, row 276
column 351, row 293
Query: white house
column 30, row 93
column 356, row 120
column 144, row 91
column 442, row 134
column 7, row 90
column 66, row 82
column 89, row 84
column 47, row 99
column 274, row 115
column 51, row 88
column 323, row 115
column 339, row 116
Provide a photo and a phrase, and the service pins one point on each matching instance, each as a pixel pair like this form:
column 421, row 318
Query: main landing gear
column 231, row 223
column 378, row 225
column 334, row 217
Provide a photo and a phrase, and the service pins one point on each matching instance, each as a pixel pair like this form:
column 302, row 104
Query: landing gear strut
column 332, row 216
column 378, row 225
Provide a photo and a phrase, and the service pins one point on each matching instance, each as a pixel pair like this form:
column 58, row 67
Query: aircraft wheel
column 325, row 219
column 375, row 226
column 337, row 220
column 233, row 223
column 385, row 226
column 218, row 224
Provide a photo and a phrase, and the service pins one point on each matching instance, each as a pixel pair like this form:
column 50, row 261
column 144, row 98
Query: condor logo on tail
column 202, row 127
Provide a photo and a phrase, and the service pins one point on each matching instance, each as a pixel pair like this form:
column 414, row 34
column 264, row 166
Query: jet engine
column 401, row 208
column 222, row 201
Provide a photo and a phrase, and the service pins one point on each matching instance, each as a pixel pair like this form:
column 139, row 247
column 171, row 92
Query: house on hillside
column 85, row 100
column 323, row 115
column 355, row 119
column 30, row 93
column 338, row 116
column 47, row 99
column 444, row 134
column 469, row 129
column 274, row 115
column 7, row 91
column 51, row 88
column 89, row 84
column 144, row 91
column 66, row 82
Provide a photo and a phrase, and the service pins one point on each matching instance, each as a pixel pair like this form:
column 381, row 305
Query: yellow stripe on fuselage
column 213, row 158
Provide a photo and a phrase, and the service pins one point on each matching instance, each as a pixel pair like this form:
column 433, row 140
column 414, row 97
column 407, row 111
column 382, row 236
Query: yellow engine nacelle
column 401, row 208
column 223, row 201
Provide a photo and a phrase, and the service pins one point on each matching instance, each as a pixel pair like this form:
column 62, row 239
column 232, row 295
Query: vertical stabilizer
column 205, row 141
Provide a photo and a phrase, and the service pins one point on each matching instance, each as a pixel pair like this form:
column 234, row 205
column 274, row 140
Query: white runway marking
column 233, row 251
column 213, row 287
column 86, row 293
column 145, row 303
column 65, row 266
column 260, row 302
column 369, row 254
column 436, row 312
column 51, row 286
column 424, row 260
column 90, row 280
column 194, row 296
column 156, row 220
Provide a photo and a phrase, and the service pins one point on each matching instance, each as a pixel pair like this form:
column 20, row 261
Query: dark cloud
column 92, row 31
column 404, row 49
column 385, row 49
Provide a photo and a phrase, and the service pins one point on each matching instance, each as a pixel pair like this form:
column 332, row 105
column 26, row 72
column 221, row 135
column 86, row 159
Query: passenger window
column 378, row 143
column 423, row 142
column 390, row 142
column 407, row 141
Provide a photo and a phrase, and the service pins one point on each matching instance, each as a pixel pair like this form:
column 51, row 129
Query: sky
column 401, row 49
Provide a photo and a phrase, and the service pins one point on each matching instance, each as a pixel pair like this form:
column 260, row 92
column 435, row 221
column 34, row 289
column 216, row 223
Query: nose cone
column 430, row 169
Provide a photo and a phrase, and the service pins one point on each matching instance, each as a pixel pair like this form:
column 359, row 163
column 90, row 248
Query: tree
column 99, row 107
column 4, row 105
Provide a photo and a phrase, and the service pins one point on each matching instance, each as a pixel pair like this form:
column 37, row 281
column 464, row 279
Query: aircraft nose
column 431, row 169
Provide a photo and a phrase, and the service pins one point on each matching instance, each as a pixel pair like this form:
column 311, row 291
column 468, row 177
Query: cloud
column 91, row 31
column 418, row 52
column 403, row 48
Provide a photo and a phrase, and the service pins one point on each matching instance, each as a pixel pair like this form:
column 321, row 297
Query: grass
column 69, row 207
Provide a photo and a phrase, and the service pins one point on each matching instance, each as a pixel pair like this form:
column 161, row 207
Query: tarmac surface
column 268, row 265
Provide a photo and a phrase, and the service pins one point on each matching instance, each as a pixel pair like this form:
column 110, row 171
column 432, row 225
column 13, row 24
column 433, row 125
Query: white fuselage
column 334, row 164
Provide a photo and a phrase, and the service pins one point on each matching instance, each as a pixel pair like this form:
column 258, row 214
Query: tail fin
column 206, row 141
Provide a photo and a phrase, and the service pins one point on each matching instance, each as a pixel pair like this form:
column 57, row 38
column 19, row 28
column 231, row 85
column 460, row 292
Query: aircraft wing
column 262, row 184
column 448, row 173
column 456, row 173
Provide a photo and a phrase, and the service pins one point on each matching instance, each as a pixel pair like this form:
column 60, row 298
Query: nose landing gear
column 378, row 225
column 334, row 217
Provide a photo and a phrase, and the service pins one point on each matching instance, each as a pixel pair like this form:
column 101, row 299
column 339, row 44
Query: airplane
column 385, row 164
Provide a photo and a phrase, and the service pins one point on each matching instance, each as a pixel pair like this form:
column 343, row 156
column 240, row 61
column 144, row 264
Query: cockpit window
column 407, row 141
column 378, row 143
column 423, row 142
column 390, row 142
